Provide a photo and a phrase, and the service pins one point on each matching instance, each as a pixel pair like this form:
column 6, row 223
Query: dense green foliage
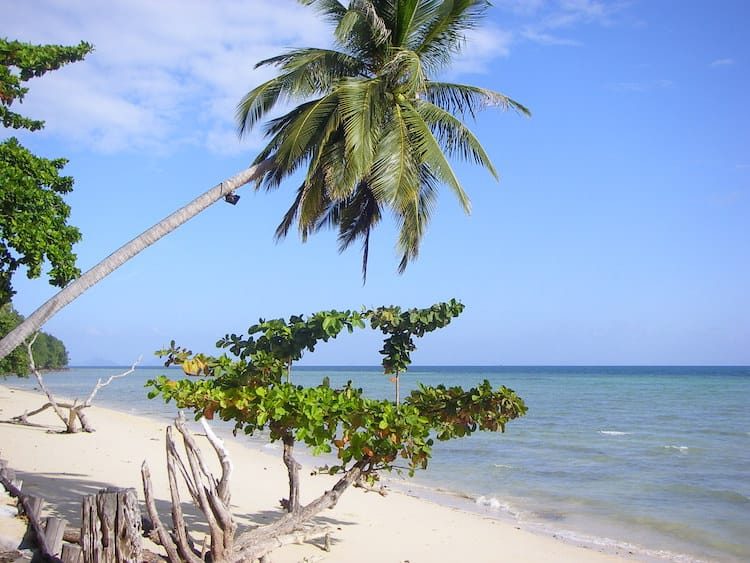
column 402, row 327
column 17, row 362
column 20, row 62
column 33, row 215
column 49, row 352
column 253, row 390
column 375, row 130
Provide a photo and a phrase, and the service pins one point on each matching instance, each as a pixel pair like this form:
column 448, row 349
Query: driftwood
column 75, row 412
column 211, row 496
column 111, row 527
column 48, row 535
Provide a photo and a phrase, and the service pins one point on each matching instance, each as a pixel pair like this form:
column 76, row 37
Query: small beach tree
column 373, row 132
column 251, row 388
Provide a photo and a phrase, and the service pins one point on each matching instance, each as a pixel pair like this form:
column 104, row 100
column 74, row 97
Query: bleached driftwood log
column 111, row 527
column 46, row 535
column 75, row 412
column 211, row 496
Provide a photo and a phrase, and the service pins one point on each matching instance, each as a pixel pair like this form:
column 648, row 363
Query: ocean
column 653, row 461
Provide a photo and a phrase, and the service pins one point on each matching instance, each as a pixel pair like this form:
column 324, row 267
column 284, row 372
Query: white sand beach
column 368, row 527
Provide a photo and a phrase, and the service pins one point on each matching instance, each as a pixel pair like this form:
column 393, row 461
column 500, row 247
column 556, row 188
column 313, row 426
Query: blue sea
column 653, row 461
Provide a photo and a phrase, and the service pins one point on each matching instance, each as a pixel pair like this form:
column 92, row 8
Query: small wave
column 613, row 433
column 489, row 502
column 610, row 545
column 681, row 449
column 503, row 466
column 494, row 505
column 271, row 446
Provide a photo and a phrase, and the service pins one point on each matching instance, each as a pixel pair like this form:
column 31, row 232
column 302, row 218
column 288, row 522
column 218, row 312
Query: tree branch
column 100, row 385
column 226, row 463
column 184, row 543
column 40, row 380
column 164, row 538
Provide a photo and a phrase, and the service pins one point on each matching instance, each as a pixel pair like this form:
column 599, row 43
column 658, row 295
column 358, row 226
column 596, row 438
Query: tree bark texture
column 111, row 530
column 32, row 507
column 249, row 542
column 37, row 319
column 292, row 503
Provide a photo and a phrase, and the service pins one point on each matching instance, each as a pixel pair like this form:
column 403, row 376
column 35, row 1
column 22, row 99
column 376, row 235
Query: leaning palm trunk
column 35, row 321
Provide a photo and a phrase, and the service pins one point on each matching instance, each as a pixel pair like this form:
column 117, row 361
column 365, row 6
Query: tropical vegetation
column 48, row 352
column 33, row 214
column 375, row 127
column 252, row 386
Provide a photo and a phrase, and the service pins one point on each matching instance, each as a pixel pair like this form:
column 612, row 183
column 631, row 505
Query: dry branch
column 211, row 496
column 75, row 409
column 40, row 380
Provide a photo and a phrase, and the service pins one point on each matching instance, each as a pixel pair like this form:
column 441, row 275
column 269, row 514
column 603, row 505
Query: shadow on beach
column 63, row 495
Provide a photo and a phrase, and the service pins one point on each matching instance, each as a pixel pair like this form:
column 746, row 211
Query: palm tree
column 373, row 130
column 376, row 130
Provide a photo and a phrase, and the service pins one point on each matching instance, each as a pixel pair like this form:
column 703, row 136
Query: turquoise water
column 655, row 461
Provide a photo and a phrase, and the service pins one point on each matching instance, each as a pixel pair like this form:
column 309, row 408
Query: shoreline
column 61, row 468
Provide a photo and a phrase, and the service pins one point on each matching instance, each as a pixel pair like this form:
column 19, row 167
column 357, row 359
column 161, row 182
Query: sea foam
column 490, row 502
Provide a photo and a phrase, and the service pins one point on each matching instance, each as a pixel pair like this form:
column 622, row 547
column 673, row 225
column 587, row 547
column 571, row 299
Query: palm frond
column 406, row 10
column 362, row 23
column 282, row 230
column 295, row 137
column 361, row 117
column 331, row 10
column 455, row 138
column 257, row 103
column 324, row 65
column 463, row 99
column 427, row 148
column 357, row 218
column 309, row 72
column 444, row 36
column 394, row 175
column 414, row 220
column 304, row 132
column 404, row 72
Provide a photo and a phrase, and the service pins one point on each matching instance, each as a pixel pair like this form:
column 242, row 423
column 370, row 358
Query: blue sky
column 618, row 234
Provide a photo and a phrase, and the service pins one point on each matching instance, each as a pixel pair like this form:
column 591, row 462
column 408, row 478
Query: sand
column 61, row 468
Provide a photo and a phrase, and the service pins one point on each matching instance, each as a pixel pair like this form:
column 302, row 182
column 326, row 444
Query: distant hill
column 49, row 352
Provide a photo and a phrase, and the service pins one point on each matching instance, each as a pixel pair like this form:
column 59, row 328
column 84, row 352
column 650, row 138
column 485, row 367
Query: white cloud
column 644, row 86
column 543, row 38
column 521, row 7
column 552, row 21
column 722, row 62
column 483, row 45
column 163, row 74
column 170, row 73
